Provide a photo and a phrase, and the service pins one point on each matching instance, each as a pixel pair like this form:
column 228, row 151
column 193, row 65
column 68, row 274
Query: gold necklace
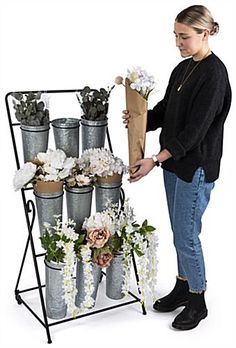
column 185, row 78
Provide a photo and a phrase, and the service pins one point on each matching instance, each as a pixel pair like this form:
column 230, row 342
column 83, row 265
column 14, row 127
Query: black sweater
column 192, row 119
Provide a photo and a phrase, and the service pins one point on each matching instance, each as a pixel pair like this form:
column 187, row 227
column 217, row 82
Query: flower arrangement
column 115, row 231
column 52, row 165
column 139, row 80
column 59, row 241
column 94, row 103
column 138, row 86
column 99, row 233
column 78, row 178
column 105, row 235
column 101, row 162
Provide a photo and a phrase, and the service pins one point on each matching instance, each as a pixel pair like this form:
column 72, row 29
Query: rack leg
column 31, row 208
column 20, row 271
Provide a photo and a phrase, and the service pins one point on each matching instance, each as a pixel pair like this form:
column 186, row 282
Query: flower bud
column 119, row 80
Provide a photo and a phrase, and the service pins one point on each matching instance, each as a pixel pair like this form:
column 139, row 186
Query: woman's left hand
column 144, row 167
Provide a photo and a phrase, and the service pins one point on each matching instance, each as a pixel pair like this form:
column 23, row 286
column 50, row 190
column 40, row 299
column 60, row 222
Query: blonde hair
column 199, row 18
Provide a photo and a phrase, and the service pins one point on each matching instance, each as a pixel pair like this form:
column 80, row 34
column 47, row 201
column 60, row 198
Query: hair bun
column 215, row 28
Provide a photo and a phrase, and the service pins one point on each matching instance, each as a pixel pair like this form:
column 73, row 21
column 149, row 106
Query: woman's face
column 189, row 42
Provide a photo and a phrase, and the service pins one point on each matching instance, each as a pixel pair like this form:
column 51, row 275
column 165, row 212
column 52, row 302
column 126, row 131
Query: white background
column 67, row 44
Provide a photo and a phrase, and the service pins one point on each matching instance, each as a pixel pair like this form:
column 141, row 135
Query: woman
column 192, row 116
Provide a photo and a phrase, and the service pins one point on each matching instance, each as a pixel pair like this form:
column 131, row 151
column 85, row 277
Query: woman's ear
column 206, row 34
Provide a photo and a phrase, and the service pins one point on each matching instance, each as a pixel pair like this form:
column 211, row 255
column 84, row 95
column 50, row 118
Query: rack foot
column 18, row 298
column 144, row 309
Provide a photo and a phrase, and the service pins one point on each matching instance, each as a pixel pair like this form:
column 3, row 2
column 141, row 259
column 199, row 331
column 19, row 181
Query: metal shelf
column 30, row 213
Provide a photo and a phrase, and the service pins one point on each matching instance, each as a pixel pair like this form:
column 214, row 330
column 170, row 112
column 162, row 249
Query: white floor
column 43, row 45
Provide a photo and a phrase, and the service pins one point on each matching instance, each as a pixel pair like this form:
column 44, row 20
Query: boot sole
column 170, row 309
column 190, row 326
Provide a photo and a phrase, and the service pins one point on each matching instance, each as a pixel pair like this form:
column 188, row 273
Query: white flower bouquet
column 101, row 162
column 50, row 166
column 138, row 86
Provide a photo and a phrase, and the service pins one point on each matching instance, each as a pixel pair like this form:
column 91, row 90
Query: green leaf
column 144, row 224
column 150, row 228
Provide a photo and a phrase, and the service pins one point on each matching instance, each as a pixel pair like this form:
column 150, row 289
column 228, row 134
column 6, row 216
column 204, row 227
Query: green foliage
column 144, row 230
column 94, row 103
column 30, row 110
column 115, row 243
column 49, row 243
column 55, row 237
column 77, row 244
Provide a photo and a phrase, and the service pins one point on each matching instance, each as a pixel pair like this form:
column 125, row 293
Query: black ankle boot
column 177, row 297
column 192, row 314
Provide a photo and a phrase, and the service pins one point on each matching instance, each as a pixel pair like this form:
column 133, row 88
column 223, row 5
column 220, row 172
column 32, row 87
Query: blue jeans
column 186, row 204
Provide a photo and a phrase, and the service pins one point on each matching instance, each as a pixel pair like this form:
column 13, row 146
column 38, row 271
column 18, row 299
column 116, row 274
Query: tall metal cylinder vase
column 34, row 140
column 115, row 278
column 93, row 133
column 79, row 202
column 107, row 189
column 80, row 282
column 66, row 135
column 55, row 303
column 49, row 203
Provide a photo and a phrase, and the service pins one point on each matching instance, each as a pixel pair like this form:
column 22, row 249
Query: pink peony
column 97, row 237
column 104, row 259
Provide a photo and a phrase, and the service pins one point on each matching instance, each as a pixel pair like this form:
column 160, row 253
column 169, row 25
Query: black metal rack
column 30, row 213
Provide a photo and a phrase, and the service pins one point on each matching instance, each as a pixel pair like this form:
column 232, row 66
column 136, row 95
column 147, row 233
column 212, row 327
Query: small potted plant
column 33, row 115
column 108, row 170
column 94, row 104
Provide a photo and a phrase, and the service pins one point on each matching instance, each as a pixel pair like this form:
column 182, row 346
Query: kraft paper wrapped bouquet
column 138, row 86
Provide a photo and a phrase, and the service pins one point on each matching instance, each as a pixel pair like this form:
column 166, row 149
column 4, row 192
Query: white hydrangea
column 24, row 175
column 141, row 81
column 101, row 162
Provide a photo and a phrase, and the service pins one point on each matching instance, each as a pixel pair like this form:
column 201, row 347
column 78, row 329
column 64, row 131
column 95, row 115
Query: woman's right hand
column 126, row 117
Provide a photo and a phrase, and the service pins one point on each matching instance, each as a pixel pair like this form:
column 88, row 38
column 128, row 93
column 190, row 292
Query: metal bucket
column 107, row 192
column 55, row 303
column 48, row 204
column 66, row 135
column 115, row 278
column 97, row 273
column 34, row 140
column 79, row 201
column 93, row 133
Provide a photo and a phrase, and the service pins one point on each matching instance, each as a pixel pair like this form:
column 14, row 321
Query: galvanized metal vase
column 96, row 271
column 107, row 189
column 34, row 140
column 115, row 278
column 66, row 135
column 49, row 202
column 93, row 133
column 79, row 202
column 55, row 303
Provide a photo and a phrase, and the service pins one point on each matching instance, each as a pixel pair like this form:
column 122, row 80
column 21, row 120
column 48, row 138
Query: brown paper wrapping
column 48, row 186
column 137, row 125
column 110, row 179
